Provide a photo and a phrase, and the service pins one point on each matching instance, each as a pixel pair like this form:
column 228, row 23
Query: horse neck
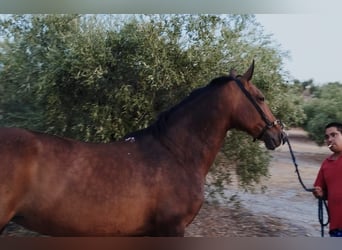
column 197, row 132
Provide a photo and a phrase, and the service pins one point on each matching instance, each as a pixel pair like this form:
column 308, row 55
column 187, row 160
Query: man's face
column 333, row 139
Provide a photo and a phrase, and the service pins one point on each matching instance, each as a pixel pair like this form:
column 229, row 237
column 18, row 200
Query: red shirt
column 329, row 178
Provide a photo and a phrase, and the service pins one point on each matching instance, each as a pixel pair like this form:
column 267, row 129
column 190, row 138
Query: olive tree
column 98, row 77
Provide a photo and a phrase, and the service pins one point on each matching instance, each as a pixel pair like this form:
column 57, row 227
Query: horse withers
column 150, row 183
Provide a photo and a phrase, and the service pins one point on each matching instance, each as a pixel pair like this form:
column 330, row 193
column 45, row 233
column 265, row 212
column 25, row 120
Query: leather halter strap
column 269, row 124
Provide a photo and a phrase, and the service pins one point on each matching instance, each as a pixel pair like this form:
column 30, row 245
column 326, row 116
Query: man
column 328, row 184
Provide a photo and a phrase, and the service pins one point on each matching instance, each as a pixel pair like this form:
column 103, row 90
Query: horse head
column 255, row 117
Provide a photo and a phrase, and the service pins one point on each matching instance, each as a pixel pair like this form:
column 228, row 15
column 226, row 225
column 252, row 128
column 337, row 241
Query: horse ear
column 249, row 73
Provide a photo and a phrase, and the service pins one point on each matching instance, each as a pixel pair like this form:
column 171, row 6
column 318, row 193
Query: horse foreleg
column 170, row 232
column 7, row 210
column 4, row 220
column 169, row 229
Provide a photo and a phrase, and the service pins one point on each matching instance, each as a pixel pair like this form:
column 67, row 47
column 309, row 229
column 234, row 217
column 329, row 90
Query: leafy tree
column 98, row 77
column 323, row 108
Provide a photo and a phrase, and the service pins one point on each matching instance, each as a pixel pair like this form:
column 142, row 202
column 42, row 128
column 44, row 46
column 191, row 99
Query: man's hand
column 318, row 192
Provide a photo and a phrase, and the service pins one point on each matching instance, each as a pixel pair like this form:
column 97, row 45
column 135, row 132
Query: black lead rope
column 270, row 124
column 321, row 205
column 321, row 202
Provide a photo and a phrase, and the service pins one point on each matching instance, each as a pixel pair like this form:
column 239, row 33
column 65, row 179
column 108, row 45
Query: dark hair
column 335, row 124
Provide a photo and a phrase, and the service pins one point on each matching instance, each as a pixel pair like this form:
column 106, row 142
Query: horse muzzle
column 272, row 135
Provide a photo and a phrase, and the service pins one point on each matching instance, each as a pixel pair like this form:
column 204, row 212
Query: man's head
column 337, row 125
column 333, row 136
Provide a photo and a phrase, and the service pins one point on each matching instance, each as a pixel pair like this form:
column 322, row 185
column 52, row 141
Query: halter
column 269, row 124
column 321, row 203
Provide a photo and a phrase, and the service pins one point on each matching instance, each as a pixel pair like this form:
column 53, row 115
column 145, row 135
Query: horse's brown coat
column 149, row 183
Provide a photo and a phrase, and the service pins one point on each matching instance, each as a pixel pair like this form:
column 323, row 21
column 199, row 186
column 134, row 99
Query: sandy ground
column 283, row 210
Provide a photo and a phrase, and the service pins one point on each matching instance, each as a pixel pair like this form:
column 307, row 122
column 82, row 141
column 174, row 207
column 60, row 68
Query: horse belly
column 73, row 216
column 53, row 227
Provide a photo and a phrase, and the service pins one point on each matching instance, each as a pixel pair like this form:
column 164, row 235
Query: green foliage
column 292, row 106
column 239, row 151
column 98, row 77
column 322, row 109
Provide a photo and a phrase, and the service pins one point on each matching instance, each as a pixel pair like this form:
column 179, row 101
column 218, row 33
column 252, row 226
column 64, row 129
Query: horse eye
column 260, row 98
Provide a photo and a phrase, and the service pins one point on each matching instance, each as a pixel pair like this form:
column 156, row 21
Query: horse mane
column 158, row 127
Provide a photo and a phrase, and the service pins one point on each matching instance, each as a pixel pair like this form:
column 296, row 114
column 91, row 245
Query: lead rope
column 321, row 202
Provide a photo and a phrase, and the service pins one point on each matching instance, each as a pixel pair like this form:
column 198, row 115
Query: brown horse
column 148, row 184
